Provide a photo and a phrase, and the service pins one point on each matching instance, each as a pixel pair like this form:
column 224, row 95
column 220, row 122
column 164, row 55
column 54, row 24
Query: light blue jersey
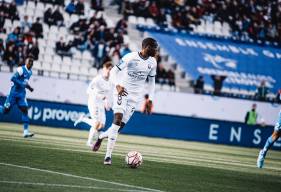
column 278, row 123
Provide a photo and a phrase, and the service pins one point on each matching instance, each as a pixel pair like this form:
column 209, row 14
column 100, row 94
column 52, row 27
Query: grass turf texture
column 169, row 165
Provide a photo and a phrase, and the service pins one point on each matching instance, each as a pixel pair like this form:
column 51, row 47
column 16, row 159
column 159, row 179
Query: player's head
column 107, row 66
column 29, row 62
column 150, row 46
column 254, row 106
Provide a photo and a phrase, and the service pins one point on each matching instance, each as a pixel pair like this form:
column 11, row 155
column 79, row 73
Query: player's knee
column 118, row 119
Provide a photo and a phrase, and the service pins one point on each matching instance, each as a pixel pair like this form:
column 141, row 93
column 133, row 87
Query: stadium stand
column 73, row 45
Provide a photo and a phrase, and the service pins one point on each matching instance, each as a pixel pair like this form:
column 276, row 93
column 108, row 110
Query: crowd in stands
column 22, row 41
column 249, row 20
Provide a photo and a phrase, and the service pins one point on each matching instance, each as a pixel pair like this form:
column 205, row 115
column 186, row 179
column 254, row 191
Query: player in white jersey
column 270, row 140
column 129, row 77
column 99, row 97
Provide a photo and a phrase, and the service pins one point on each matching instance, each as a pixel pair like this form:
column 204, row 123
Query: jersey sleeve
column 20, row 71
column 152, row 72
column 124, row 61
column 92, row 85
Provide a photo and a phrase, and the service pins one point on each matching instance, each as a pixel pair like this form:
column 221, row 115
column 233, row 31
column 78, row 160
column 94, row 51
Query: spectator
column 161, row 76
column 10, row 56
column 278, row 96
column 171, row 78
column 37, row 28
column 71, row 8
column 13, row 36
column 2, row 22
column 80, row 8
column 33, row 50
column 251, row 116
column 121, row 26
column 48, row 17
column 146, row 100
column 57, row 17
column 12, row 11
column 25, row 25
column 217, row 83
column 199, row 85
column 125, row 50
column 62, row 48
column 2, row 49
column 262, row 91
column 80, row 43
column 99, row 53
column 97, row 5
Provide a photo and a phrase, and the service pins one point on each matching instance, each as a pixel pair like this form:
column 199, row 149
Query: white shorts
column 96, row 109
column 125, row 105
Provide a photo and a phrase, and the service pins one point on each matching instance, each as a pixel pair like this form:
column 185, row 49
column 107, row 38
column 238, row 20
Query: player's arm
column 116, row 75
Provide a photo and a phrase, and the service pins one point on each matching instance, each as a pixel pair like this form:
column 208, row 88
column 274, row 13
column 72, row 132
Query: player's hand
column 29, row 88
column 148, row 107
column 121, row 90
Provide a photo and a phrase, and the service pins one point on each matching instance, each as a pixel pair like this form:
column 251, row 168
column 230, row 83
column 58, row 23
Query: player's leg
column 105, row 134
column 269, row 142
column 114, row 130
column 10, row 101
column 23, row 106
column 97, row 115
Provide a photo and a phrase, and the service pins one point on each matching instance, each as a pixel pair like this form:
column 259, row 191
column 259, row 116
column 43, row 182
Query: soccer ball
column 133, row 159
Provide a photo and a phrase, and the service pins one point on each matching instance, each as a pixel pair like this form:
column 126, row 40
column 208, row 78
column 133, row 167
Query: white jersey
column 135, row 72
column 99, row 88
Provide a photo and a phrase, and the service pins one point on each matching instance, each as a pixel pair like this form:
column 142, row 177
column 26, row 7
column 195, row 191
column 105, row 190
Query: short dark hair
column 149, row 42
column 107, row 64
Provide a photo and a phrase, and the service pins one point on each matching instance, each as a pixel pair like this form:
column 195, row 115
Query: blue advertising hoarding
column 244, row 64
column 157, row 125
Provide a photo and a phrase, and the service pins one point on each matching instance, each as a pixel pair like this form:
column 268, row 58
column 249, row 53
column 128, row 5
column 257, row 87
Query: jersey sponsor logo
column 137, row 75
column 119, row 99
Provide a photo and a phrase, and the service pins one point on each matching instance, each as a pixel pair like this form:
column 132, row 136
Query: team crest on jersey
column 149, row 66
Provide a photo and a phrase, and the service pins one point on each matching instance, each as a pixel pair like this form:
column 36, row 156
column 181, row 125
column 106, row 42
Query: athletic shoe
column 78, row 120
column 97, row 145
column 107, row 161
column 260, row 159
column 28, row 135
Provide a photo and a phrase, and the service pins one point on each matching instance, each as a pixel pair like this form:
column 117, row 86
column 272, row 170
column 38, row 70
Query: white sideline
column 67, row 186
column 80, row 177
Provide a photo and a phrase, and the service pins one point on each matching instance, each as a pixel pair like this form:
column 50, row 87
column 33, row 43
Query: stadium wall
column 157, row 125
column 171, row 103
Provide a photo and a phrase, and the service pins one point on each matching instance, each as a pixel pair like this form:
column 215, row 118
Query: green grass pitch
column 58, row 160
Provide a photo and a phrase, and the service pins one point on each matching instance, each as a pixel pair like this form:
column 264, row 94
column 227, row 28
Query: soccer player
column 99, row 96
column 17, row 95
column 270, row 141
column 129, row 78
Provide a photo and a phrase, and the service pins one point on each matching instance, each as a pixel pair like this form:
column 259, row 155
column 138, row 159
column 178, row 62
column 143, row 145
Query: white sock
column 112, row 137
column 25, row 131
column 92, row 133
column 105, row 134
column 89, row 121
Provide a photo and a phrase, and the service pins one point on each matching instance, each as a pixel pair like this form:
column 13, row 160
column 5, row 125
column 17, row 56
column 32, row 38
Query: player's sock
column 105, row 134
column 268, row 144
column 25, row 121
column 92, row 133
column 112, row 137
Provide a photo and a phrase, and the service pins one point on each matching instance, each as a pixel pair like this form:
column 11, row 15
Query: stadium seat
column 30, row 5
column 48, row 59
column 57, row 60
column 40, row 6
column 65, row 69
column 132, row 20
column 66, row 61
column 87, row 56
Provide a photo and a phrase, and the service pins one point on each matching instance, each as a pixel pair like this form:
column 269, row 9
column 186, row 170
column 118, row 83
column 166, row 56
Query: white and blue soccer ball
column 134, row 159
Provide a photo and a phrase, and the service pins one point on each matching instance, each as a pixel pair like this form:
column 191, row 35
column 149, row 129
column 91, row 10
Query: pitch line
column 81, row 177
column 68, row 186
